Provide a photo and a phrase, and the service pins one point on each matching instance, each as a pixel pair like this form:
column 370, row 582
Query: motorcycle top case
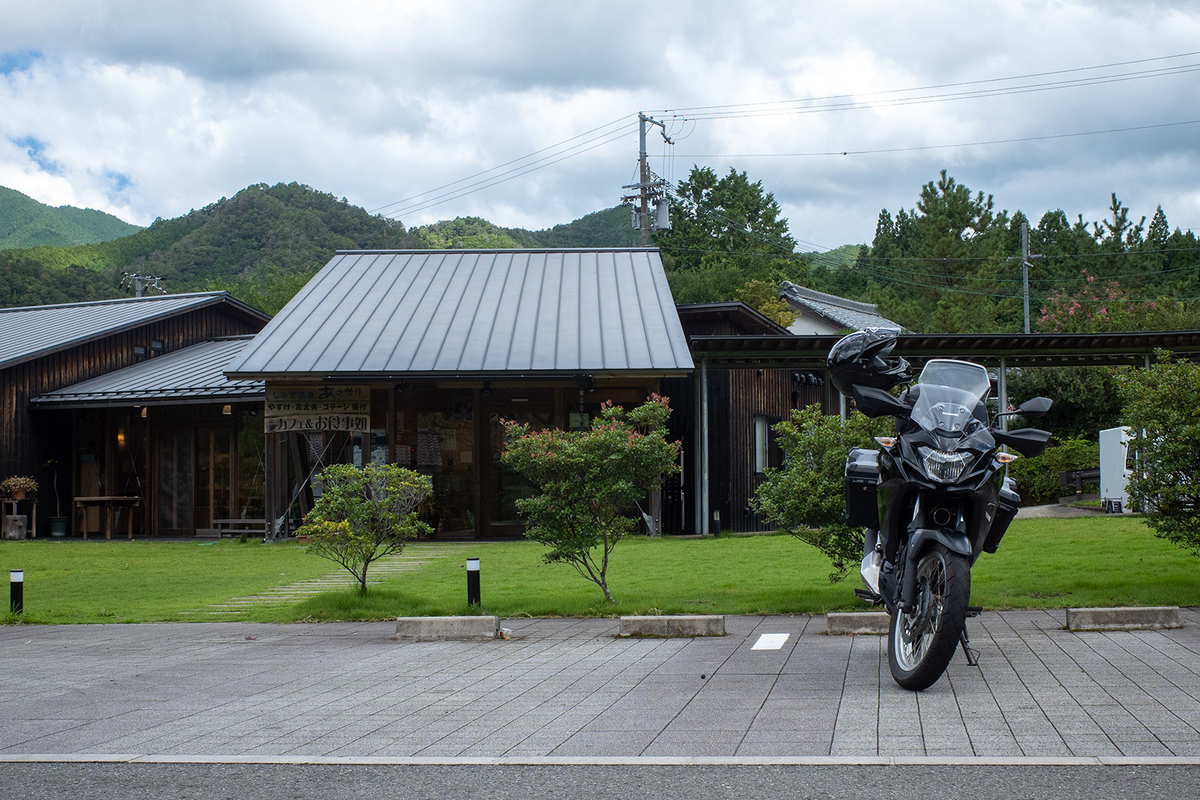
column 862, row 480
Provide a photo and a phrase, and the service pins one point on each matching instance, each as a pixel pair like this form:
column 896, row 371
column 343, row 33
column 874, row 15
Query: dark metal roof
column 1018, row 350
column 735, row 311
column 193, row 374
column 388, row 314
column 32, row 331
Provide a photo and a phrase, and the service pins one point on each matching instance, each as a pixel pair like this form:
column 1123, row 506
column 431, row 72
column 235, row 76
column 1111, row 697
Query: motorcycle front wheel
column 921, row 644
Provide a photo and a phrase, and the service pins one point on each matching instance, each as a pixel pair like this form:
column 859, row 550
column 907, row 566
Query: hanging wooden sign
column 311, row 408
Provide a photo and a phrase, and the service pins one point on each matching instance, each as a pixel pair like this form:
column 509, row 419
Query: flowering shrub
column 1097, row 308
column 589, row 482
column 18, row 483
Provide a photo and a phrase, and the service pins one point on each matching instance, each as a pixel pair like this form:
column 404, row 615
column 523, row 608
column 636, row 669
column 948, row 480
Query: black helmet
column 861, row 358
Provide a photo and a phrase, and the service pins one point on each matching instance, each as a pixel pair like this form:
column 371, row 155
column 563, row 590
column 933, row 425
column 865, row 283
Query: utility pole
column 649, row 186
column 141, row 282
column 1025, row 269
column 1025, row 265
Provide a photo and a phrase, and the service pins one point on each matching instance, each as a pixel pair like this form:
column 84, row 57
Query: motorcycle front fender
column 918, row 540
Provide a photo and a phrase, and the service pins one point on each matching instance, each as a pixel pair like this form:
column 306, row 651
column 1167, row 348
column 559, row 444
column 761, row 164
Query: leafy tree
column 1161, row 410
column 1085, row 398
column 724, row 218
column 589, row 482
column 806, row 497
column 365, row 514
column 726, row 232
column 764, row 297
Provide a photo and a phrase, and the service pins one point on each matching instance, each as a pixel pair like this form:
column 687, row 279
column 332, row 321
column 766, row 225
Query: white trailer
column 1115, row 469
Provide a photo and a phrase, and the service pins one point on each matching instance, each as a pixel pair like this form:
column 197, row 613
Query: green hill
column 607, row 228
column 262, row 245
column 24, row 222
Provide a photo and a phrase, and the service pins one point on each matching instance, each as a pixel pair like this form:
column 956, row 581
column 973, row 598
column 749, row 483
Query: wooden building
column 416, row 358
column 743, row 404
column 97, row 445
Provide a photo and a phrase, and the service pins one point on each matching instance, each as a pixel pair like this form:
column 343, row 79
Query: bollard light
column 16, row 590
column 473, row 598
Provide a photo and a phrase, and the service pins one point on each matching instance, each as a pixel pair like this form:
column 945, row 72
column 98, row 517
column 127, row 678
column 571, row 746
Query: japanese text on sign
column 314, row 408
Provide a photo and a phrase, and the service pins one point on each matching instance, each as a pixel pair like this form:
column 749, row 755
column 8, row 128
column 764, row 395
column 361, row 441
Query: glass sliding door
column 176, row 474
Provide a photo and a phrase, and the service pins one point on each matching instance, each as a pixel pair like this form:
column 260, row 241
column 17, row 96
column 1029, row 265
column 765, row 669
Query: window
column 762, row 443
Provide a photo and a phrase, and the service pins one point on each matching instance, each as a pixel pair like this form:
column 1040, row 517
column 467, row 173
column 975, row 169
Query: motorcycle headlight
column 942, row 466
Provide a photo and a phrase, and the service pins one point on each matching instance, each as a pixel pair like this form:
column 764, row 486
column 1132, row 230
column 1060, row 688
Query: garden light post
column 473, row 598
column 16, row 588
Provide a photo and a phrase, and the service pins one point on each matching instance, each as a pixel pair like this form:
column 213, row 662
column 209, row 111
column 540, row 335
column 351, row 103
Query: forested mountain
column 262, row 245
column 261, row 236
column 608, row 228
column 24, row 222
column 949, row 264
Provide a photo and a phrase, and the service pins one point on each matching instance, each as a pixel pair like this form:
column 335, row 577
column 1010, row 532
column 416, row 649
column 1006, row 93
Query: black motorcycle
column 932, row 498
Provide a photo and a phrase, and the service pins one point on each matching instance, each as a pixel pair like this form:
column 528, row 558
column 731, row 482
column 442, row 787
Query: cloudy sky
column 525, row 113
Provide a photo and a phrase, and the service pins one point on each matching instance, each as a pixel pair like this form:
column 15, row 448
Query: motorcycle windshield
column 952, row 398
column 957, row 375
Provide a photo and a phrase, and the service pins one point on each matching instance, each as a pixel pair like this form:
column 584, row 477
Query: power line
column 916, row 148
column 942, row 85
column 501, row 166
column 508, row 175
column 861, row 102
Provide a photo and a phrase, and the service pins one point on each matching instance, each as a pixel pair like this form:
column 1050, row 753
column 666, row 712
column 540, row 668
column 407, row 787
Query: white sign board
column 311, row 408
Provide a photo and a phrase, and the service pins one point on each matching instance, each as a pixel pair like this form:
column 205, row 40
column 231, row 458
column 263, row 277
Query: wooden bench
column 240, row 527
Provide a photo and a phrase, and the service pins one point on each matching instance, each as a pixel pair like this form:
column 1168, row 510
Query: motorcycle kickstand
column 965, row 641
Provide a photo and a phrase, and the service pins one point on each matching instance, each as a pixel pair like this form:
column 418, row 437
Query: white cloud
column 149, row 109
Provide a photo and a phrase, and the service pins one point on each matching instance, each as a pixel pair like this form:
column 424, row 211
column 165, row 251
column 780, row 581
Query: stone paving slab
column 573, row 689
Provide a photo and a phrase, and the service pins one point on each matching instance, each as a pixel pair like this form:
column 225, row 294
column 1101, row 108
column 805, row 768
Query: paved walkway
column 570, row 689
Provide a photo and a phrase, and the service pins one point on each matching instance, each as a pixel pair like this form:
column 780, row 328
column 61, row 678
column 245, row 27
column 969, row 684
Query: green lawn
column 145, row 581
column 1041, row 563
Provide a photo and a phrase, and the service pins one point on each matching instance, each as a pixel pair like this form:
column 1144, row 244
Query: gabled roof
column 184, row 376
column 735, row 311
column 32, row 331
column 384, row 314
column 838, row 310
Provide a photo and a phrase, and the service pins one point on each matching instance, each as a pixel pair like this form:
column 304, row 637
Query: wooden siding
column 735, row 398
column 28, row 437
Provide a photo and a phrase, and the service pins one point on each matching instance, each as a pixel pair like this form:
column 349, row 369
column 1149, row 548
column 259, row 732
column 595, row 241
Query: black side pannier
column 862, row 480
column 1007, row 504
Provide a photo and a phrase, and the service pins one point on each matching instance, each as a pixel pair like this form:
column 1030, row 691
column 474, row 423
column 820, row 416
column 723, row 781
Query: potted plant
column 58, row 523
column 18, row 486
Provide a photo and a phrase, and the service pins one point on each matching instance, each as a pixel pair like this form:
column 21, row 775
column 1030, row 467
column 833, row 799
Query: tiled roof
column 847, row 313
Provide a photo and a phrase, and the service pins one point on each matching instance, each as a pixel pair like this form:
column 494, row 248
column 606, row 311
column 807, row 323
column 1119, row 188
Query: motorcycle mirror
column 1034, row 407
column 876, row 402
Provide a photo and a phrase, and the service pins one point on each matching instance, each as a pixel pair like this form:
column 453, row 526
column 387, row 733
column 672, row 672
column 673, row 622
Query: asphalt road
column 632, row 782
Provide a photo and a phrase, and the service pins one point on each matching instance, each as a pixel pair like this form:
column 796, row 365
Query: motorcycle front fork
column 872, row 564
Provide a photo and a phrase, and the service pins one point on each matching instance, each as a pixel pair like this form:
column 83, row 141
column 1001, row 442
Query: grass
column 1041, row 563
column 141, row 581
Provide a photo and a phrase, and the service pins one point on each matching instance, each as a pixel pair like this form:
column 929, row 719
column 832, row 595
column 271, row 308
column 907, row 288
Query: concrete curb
column 433, row 629
column 1123, row 619
column 674, row 626
column 858, row 622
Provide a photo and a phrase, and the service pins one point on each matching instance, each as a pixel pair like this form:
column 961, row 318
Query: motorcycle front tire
column 943, row 580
